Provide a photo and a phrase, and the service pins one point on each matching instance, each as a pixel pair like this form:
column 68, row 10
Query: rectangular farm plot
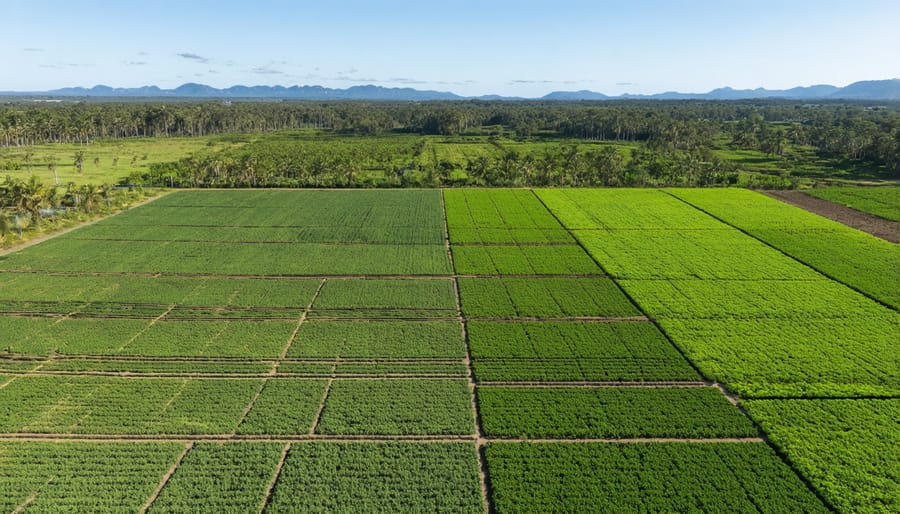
column 856, row 357
column 624, row 209
column 371, row 368
column 523, row 260
column 652, row 477
column 81, row 476
column 609, row 412
column 295, row 259
column 107, row 405
column 386, row 298
column 492, row 216
column 371, row 339
column 552, row 297
column 379, row 477
column 316, row 216
column 61, row 292
column 75, row 336
column 749, row 299
column 398, row 407
column 573, row 351
column 221, row 478
column 847, row 448
column 855, row 258
column 674, row 254
column 211, row 339
column 284, row 406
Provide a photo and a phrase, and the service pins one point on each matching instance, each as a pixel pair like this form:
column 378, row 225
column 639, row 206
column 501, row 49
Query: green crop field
column 880, row 201
column 458, row 350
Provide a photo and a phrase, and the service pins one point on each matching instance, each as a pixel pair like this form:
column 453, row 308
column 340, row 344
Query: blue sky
column 520, row 47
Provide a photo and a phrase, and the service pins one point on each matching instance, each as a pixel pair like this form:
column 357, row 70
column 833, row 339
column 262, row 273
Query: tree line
column 856, row 131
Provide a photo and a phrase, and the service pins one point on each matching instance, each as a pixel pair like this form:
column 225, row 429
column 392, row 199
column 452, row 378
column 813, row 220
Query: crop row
column 847, row 447
column 400, row 211
column 749, row 299
column 797, row 358
column 523, row 260
column 113, row 405
column 855, row 258
column 654, row 477
column 665, row 253
column 543, row 297
column 496, row 208
column 43, row 336
column 187, row 291
column 500, row 216
column 880, row 201
column 571, row 351
column 372, row 339
column 608, row 412
column 378, row 367
column 386, row 298
column 81, row 477
column 72, row 255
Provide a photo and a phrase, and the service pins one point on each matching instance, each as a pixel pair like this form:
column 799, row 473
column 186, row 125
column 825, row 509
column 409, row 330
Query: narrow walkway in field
column 879, row 227
column 470, row 372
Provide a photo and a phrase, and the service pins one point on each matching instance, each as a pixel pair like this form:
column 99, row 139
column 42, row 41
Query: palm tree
column 79, row 160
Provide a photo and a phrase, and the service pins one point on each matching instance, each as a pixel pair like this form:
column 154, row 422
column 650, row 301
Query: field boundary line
column 622, row 289
column 146, row 328
column 470, row 372
column 630, row 440
column 276, row 474
column 784, row 252
column 598, row 385
column 165, row 479
column 300, row 322
column 249, row 407
column 45, row 237
column 318, row 417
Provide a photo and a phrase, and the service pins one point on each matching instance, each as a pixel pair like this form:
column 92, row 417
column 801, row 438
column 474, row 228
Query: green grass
column 379, row 477
column 402, row 407
column 607, row 412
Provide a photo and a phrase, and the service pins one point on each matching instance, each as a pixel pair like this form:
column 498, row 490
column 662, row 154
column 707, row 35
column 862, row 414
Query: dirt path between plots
column 41, row 239
column 878, row 227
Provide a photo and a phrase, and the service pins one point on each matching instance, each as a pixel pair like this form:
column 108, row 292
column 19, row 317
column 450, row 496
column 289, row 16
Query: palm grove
column 397, row 144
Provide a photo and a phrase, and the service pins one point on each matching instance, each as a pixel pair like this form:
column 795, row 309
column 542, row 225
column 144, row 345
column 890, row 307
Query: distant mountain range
column 865, row 90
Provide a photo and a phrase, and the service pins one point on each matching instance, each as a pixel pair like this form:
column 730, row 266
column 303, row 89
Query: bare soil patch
column 878, row 227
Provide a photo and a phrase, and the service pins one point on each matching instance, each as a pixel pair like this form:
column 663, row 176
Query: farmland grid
column 331, row 374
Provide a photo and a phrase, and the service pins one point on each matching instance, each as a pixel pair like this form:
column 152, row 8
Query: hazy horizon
column 507, row 48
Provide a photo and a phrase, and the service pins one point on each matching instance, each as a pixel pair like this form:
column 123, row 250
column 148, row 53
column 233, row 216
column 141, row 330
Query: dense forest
column 345, row 144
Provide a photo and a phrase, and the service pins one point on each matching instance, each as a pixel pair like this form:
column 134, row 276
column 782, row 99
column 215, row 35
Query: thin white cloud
column 194, row 57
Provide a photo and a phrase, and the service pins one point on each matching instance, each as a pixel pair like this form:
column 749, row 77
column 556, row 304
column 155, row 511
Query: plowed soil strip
column 165, row 478
column 879, row 227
